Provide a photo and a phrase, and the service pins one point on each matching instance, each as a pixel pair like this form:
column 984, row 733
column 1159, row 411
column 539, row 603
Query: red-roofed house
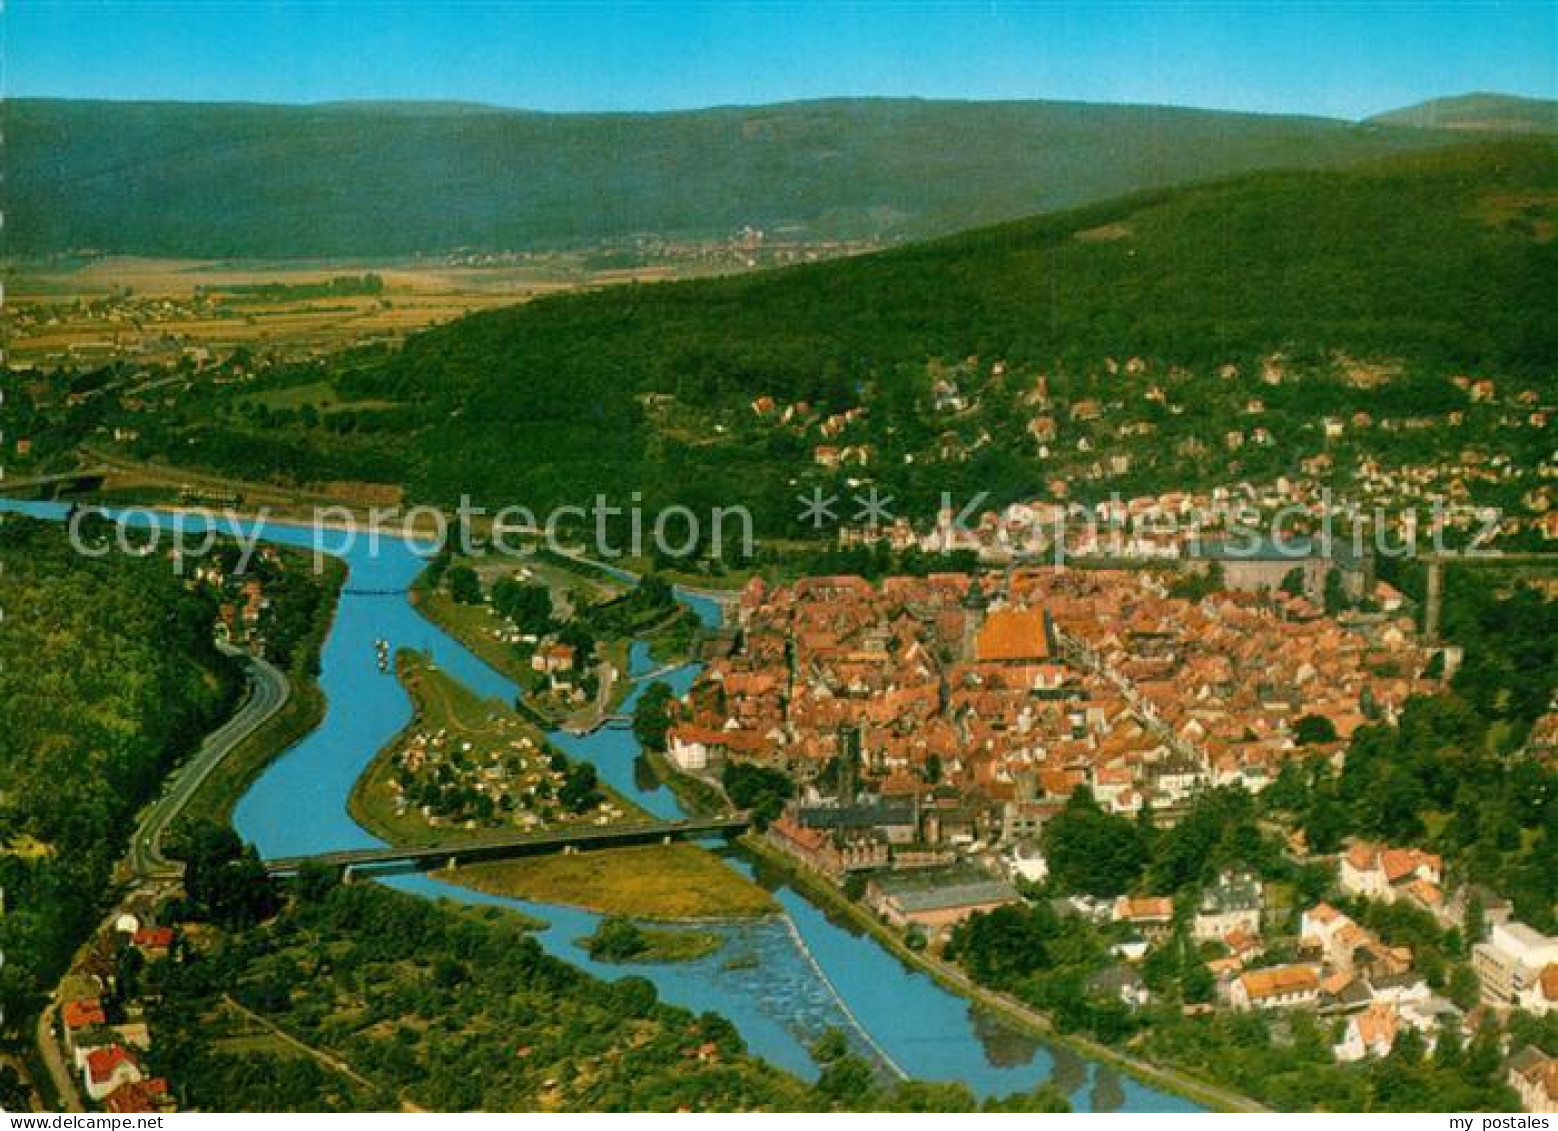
column 139, row 1098
column 1381, row 872
column 108, row 1069
column 1370, row 1033
column 84, row 1014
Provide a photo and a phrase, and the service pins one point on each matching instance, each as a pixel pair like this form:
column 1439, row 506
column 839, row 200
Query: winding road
column 267, row 694
column 268, row 691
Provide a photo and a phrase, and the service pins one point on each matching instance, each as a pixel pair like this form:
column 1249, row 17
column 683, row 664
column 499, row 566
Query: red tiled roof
column 1280, row 980
column 83, row 1014
column 137, row 1098
column 1013, row 634
column 104, row 1062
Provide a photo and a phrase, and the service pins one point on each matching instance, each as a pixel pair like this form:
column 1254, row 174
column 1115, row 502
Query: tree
column 1475, row 923
column 580, row 789
column 1042, row 1098
column 14, row 1095
column 1005, row 945
column 930, row 1095
column 634, row 996
column 1093, row 851
column 224, row 880
column 464, row 585
column 762, row 790
column 652, row 715
column 617, row 940
column 529, row 607
column 315, row 881
column 1335, row 594
column 1465, row 990
column 1314, row 730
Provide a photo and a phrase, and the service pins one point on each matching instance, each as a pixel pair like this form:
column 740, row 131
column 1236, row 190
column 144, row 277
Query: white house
column 1276, row 987
column 1380, row 872
column 108, row 1069
column 1370, row 1033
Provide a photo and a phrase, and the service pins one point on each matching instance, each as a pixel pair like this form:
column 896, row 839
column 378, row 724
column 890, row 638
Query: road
column 267, row 694
column 54, row 1060
column 499, row 847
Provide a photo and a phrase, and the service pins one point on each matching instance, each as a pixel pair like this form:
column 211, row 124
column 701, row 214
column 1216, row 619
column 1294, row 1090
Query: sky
column 1345, row 60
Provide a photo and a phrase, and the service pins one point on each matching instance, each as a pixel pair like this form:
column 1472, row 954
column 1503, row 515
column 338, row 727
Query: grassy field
column 668, row 882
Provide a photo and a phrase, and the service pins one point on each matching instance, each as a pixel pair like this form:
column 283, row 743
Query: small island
column 476, row 767
column 621, row 940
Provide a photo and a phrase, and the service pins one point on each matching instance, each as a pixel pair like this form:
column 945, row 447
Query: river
column 798, row 973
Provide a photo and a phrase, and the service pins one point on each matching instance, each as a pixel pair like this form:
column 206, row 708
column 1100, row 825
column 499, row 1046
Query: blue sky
column 1344, row 60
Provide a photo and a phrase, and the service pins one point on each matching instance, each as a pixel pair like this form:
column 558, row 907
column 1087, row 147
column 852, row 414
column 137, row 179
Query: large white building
column 1518, row 967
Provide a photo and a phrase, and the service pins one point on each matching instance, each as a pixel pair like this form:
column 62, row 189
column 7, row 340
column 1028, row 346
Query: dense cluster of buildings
column 934, row 724
column 967, row 708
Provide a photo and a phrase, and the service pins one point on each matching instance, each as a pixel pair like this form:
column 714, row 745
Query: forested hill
column 375, row 179
column 1499, row 112
column 107, row 676
column 1442, row 263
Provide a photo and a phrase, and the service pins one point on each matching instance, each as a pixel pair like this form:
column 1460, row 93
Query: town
column 934, row 727
column 775, row 558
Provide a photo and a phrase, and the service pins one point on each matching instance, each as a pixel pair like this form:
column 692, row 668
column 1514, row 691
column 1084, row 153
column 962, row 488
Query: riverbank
column 1012, row 1011
column 299, row 716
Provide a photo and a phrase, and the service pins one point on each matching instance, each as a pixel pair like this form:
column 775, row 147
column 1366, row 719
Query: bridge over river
column 452, row 853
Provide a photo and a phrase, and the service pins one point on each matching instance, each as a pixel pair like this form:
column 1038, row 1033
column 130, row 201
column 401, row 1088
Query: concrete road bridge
column 453, row 853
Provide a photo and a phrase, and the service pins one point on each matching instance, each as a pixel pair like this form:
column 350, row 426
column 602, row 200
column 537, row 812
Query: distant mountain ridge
column 390, row 179
column 1494, row 113
column 1434, row 263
